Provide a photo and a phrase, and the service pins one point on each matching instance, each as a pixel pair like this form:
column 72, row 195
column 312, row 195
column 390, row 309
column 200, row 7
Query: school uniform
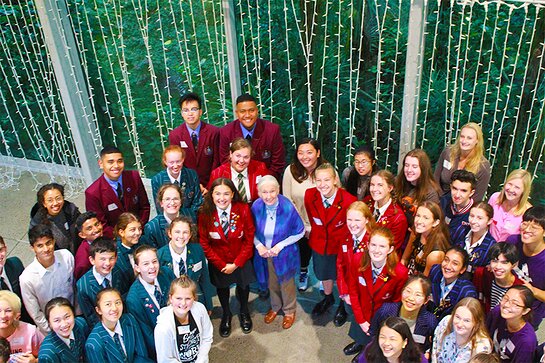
column 196, row 268
column 88, row 288
column 392, row 218
column 188, row 181
column 237, row 247
column 255, row 171
column 266, row 141
column 206, row 157
column 145, row 307
column 454, row 218
column 103, row 200
column 424, row 327
column 367, row 297
column 101, row 347
column 81, row 260
column 155, row 233
column 348, row 258
column 478, row 252
column 62, row 225
column 13, row 268
column 55, row 350
column 442, row 306
column 483, row 280
column 124, row 257
column 328, row 229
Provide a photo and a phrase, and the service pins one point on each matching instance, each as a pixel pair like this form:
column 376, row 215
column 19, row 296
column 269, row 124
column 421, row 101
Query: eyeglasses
column 56, row 199
column 417, row 296
column 173, row 200
column 362, row 162
column 530, row 226
column 505, row 301
column 188, row 110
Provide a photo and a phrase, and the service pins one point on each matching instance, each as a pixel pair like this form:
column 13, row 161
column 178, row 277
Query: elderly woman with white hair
column 278, row 227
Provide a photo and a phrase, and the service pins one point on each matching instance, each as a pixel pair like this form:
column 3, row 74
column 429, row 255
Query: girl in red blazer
column 326, row 207
column 226, row 233
column 242, row 170
column 379, row 279
column 387, row 212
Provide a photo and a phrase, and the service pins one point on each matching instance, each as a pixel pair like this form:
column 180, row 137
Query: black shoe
column 340, row 315
column 264, row 294
column 352, row 348
column 245, row 323
column 356, row 359
column 323, row 305
column 225, row 326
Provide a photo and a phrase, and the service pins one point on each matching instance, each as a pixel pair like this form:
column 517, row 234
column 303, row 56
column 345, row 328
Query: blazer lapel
column 108, row 192
column 368, row 276
column 334, row 209
column 109, row 345
column 60, row 346
column 319, row 206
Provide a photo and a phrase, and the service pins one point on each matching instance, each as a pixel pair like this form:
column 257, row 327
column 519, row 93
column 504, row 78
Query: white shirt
column 6, row 280
column 119, row 332
column 39, row 285
column 100, row 278
column 176, row 258
column 382, row 209
column 67, row 340
column 173, row 179
column 234, row 178
column 150, row 289
column 228, row 210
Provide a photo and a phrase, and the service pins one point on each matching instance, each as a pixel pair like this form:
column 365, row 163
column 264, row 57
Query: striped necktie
column 106, row 283
column 241, row 188
column 181, row 267
column 120, row 347
column 159, row 296
column 225, row 223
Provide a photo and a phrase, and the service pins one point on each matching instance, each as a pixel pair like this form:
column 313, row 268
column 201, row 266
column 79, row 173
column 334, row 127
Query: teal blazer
column 141, row 306
column 123, row 261
column 101, row 348
column 54, row 350
column 155, row 233
column 197, row 270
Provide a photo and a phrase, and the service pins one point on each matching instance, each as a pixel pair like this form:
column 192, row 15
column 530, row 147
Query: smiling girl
column 356, row 178
column 170, row 199
column 128, row 231
column 183, row 257
column 184, row 330
column 461, row 335
column 117, row 337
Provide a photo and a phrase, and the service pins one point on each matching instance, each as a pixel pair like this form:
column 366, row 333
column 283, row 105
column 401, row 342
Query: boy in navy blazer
column 457, row 203
column 116, row 191
column 103, row 256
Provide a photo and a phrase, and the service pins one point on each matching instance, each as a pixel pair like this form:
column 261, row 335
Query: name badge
column 197, row 266
column 345, row 249
column 183, row 144
column 214, row 235
column 420, row 339
column 447, row 220
column 362, row 281
column 317, row 221
column 112, row 207
column 258, row 178
column 447, row 165
column 183, row 329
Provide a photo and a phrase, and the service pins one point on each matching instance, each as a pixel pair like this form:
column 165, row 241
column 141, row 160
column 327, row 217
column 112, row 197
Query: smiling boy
column 458, row 202
column 89, row 229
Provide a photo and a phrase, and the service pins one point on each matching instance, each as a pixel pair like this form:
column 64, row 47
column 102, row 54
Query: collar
column 245, row 132
column 169, row 221
column 113, row 183
column 228, row 210
column 176, row 257
column 468, row 246
column 330, row 199
column 117, row 330
column 42, row 270
column 234, row 173
column 100, row 278
column 197, row 130
column 67, row 340
column 173, row 179
column 445, row 289
column 150, row 288
column 456, row 211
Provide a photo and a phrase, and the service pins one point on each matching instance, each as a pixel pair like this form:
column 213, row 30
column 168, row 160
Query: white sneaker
column 303, row 281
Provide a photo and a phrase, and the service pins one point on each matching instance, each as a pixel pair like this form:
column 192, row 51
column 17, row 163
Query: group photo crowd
column 424, row 263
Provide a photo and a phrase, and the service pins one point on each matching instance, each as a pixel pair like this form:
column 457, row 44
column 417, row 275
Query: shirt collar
column 173, row 179
column 245, row 132
column 235, row 173
column 100, row 278
column 330, row 199
column 382, row 209
column 117, row 330
column 67, row 340
column 113, row 183
column 176, row 256
column 470, row 247
column 197, row 130
column 228, row 210
column 41, row 269
column 169, row 221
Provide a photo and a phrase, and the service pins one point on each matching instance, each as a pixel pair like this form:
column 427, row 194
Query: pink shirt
column 505, row 223
column 26, row 338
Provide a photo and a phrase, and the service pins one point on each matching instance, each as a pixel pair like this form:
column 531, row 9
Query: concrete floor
column 306, row 341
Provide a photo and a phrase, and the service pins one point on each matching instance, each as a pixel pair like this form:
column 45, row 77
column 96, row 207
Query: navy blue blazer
column 197, row 270
column 191, row 191
column 14, row 268
column 141, row 306
column 55, row 350
column 155, row 233
column 424, row 328
column 479, row 256
column 101, row 348
column 462, row 288
column 454, row 220
column 87, row 289
column 123, row 262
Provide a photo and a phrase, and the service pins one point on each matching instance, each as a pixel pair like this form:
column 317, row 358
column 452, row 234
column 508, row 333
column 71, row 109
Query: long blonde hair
column 523, row 203
column 475, row 159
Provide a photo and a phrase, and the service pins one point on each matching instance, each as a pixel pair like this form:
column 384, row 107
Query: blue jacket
column 462, row 288
column 424, row 327
column 189, row 183
column 479, row 256
column 88, row 288
column 101, row 348
column 197, row 270
column 141, row 306
column 289, row 229
column 155, row 233
column 123, row 262
column 54, row 350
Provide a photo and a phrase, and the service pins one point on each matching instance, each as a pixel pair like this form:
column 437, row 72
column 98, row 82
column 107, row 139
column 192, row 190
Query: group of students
column 418, row 259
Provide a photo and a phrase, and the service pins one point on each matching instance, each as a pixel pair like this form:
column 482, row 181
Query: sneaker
column 303, row 281
column 322, row 288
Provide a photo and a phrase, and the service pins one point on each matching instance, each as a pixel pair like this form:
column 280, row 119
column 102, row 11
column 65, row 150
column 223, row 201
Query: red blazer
column 347, row 260
column 267, row 144
column 256, row 170
column 327, row 226
column 237, row 247
column 206, row 158
column 101, row 199
column 394, row 219
column 367, row 298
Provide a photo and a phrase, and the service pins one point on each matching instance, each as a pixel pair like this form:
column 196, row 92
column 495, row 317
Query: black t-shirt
column 188, row 340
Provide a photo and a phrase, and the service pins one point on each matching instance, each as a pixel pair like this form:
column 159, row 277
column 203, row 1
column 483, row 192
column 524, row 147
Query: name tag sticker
column 197, row 266
column 214, row 235
column 345, row 249
column 317, row 221
column 447, row 220
column 420, row 339
column 258, row 178
column 112, row 207
column 447, row 165
column 183, row 329
column 362, row 281
column 183, row 144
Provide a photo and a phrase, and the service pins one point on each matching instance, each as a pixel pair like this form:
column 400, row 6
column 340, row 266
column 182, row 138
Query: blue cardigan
column 289, row 229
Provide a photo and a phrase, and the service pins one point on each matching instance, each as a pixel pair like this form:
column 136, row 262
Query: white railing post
column 232, row 50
